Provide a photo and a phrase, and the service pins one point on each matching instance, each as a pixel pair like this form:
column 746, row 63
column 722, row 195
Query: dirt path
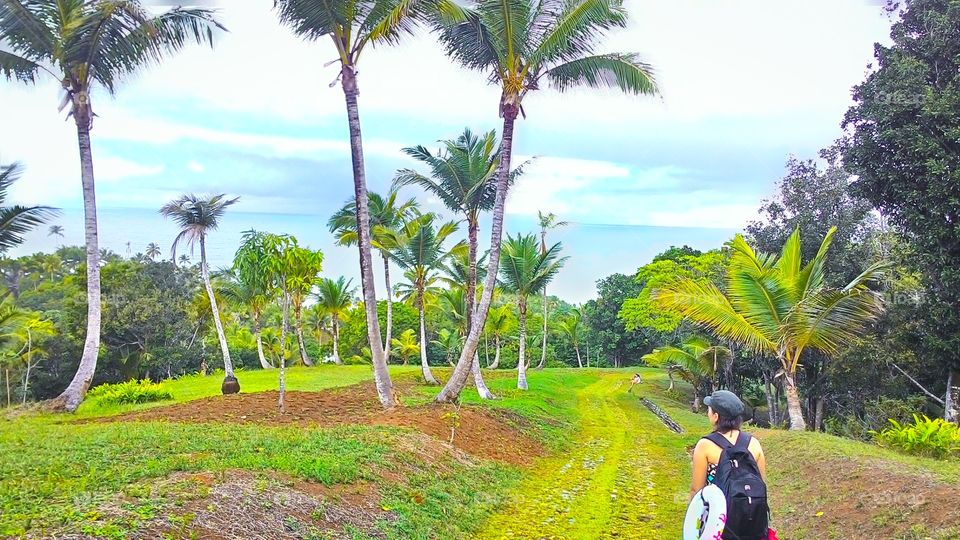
column 618, row 481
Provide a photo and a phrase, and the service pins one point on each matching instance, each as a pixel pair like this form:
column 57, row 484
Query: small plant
column 453, row 420
column 132, row 391
column 935, row 438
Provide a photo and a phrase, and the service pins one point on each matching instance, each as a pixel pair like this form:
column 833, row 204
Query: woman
column 725, row 411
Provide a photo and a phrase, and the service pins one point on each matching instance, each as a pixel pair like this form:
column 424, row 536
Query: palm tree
column 352, row 26
column 55, row 230
column 500, row 323
column 17, row 220
column 571, row 326
column 81, row 44
column 153, row 251
column 197, row 217
column 405, row 346
column 449, row 342
column 521, row 45
column 319, row 323
column 421, row 254
column 336, row 297
column 526, row 271
column 386, row 216
column 547, row 221
column 184, row 260
column 776, row 305
column 696, row 361
column 302, row 269
column 243, row 290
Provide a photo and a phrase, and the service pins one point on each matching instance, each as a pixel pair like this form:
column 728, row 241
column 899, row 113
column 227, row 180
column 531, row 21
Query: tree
column 606, row 333
column 197, row 217
column 405, row 346
column 246, row 290
column 777, row 306
column 153, row 251
column 449, row 342
column 281, row 257
column 386, row 217
column 521, row 45
column 526, row 271
column 500, row 323
column 547, row 221
column 84, row 43
column 571, row 327
column 17, row 220
column 352, row 26
column 302, row 267
column 336, row 297
column 907, row 161
column 421, row 253
column 55, row 230
column 696, row 360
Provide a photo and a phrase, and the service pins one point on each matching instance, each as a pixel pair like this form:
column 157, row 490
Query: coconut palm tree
column 197, row 217
column 303, row 267
column 241, row 289
column 17, row 220
column 571, row 327
column 778, row 306
column 548, row 222
column 55, row 230
column 522, row 45
column 696, row 360
column 336, row 297
column 83, row 44
column 526, row 271
column 449, row 342
column 352, row 26
column 386, row 215
column 153, row 251
column 421, row 254
column 500, row 323
column 318, row 323
column 405, row 345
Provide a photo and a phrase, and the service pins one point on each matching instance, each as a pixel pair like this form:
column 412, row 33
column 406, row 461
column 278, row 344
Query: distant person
column 635, row 381
column 733, row 460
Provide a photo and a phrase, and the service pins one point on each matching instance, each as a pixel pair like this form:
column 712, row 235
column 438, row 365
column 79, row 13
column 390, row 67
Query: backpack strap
column 743, row 442
column 718, row 440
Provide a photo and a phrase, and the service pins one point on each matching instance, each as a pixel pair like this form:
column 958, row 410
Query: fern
column 132, row 391
column 935, row 438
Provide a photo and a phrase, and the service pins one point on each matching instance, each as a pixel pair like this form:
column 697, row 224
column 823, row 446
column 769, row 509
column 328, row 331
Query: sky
column 744, row 84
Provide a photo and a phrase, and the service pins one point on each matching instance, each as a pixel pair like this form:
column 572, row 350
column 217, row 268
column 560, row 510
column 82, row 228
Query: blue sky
column 745, row 84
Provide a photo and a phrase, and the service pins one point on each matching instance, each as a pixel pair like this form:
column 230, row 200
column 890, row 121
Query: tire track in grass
column 613, row 482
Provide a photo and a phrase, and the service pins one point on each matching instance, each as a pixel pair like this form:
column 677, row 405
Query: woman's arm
column 699, row 479
column 761, row 461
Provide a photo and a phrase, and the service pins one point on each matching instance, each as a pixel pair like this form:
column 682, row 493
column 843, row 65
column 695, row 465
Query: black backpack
column 738, row 476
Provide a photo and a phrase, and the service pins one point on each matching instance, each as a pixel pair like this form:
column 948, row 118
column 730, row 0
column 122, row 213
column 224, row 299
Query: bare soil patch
column 480, row 431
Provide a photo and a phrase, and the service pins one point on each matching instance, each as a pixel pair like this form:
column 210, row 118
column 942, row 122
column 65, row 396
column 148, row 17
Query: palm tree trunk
column 672, row 382
column 26, row 376
column 543, row 349
column 298, row 328
column 794, row 407
column 771, row 409
column 471, row 292
column 381, row 372
column 577, row 349
column 336, row 342
column 458, row 379
column 283, row 353
column 389, row 332
column 522, row 364
column 7, row 372
column 951, row 401
column 259, row 337
column 424, row 366
column 230, row 383
column 70, row 398
column 481, row 385
column 496, row 355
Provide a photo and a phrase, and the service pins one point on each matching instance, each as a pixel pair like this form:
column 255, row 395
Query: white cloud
column 196, row 166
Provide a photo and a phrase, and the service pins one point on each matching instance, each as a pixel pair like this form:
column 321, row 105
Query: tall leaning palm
column 779, row 306
column 523, row 45
column 386, row 215
column 197, row 217
column 422, row 254
column 526, row 271
column 82, row 44
column 352, row 26
column 547, row 221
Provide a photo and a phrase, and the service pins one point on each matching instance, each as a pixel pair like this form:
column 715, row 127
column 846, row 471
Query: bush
column 132, row 391
column 925, row 437
column 873, row 416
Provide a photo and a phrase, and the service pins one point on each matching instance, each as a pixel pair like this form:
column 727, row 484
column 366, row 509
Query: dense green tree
column 903, row 150
column 522, row 46
column 607, row 337
column 83, row 44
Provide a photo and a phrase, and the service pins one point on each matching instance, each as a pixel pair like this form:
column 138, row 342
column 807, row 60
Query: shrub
column 924, row 437
column 873, row 416
column 132, row 391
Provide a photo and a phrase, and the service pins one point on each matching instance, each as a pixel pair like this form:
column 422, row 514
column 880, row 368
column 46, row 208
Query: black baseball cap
column 724, row 403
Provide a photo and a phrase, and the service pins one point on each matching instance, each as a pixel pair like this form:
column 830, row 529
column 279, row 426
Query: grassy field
column 611, row 471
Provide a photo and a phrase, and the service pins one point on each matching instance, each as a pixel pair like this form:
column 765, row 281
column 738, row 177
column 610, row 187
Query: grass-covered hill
column 575, row 457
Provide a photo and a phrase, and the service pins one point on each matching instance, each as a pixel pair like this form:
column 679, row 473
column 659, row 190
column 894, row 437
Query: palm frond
column 617, row 70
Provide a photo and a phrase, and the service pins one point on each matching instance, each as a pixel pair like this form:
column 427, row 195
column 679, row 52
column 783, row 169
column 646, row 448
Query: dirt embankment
column 480, row 431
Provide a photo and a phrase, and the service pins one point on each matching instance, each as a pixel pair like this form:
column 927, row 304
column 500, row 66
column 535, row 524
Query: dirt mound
column 479, row 431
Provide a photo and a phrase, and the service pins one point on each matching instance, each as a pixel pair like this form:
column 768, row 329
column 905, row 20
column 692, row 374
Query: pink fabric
column 772, row 535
